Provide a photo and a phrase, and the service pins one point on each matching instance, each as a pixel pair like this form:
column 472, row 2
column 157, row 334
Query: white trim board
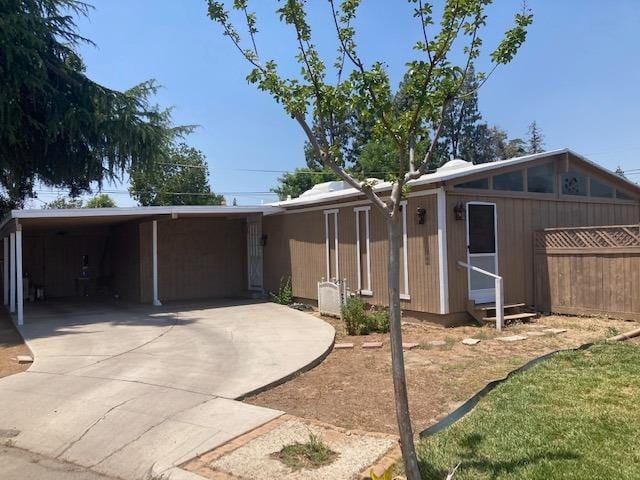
column 443, row 260
column 333, row 212
column 369, row 290
column 404, row 294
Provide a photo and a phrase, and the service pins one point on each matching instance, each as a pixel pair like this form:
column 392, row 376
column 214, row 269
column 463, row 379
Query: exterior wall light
column 421, row 215
column 460, row 211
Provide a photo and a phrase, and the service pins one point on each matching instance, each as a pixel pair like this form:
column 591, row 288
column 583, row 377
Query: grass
column 314, row 453
column 574, row 416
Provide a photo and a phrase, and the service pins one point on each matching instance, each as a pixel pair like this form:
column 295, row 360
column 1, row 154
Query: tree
column 63, row 202
column 432, row 83
column 58, row 127
column 101, row 201
column 536, row 139
column 179, row 177
column 300, row 180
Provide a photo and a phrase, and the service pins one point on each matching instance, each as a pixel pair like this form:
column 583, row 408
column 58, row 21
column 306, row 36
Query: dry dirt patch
column 11, row 345
column 353, row 388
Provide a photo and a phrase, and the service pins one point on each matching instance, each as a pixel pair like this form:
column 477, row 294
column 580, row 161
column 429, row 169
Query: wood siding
column 296, row 247
column 197, row 258
column 589, row 280
column 517, row 219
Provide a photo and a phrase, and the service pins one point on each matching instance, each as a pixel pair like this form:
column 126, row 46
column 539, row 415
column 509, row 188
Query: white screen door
column 482, row 250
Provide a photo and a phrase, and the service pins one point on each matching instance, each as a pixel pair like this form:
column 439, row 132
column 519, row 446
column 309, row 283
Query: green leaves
column 513, row 39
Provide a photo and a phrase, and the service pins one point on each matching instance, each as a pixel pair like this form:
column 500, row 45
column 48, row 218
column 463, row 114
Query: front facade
column 479, row 215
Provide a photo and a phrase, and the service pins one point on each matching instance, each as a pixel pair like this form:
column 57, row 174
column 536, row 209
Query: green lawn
column 575, row 416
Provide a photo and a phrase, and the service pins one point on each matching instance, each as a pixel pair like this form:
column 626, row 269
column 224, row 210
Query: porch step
column 492, row 306
column 485, row 313
column 512, row 317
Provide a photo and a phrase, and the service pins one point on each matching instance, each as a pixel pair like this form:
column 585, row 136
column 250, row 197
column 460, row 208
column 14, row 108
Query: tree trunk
column 412, row 471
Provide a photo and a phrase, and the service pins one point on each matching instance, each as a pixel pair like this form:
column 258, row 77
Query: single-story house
column 483, row 215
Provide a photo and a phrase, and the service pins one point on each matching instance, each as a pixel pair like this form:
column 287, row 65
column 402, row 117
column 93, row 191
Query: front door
column 482, row 250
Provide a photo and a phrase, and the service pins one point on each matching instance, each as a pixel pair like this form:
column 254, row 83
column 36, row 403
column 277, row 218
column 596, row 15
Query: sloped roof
column 446, row 174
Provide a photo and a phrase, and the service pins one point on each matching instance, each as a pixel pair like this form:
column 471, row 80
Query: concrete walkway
column 135, row 392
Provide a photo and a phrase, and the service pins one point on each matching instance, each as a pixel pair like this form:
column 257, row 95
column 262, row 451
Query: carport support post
column 12, row 276
column 19, row 277
column 156, row 300
column 5, row 270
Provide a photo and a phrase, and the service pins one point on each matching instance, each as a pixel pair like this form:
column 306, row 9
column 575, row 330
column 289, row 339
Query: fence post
column 499, row 304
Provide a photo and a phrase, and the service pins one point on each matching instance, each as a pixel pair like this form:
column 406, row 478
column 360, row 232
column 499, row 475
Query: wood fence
column 588, row 271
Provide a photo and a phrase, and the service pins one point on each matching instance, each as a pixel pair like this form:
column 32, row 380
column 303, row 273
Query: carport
column 140, row 254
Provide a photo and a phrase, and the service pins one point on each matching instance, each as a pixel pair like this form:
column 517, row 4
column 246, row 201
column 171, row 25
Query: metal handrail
column 499, row 286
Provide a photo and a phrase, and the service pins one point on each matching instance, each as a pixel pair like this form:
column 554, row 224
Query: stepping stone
column 410, row 345
column 372, row 345
column 437, row 343
column 512, row 338
column 536, row 334
column 342, row 346
column 25, row 359
column 471, row 341
column 555, row 330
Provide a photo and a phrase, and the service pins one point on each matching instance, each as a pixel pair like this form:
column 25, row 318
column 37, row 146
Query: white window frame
column 333, row 212
column 404, row 294
column 369, row 290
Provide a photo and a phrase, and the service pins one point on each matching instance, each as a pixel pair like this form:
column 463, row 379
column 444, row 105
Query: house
column 481, row 215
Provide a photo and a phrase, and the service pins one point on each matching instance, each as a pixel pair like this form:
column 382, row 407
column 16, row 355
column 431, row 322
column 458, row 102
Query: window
column 623, row 195
column 331, row 243
column 511, row 181
column 363, row 256
column 574, row 183
column 404, row 268
column 601, row 190
column 480, row 184
column 540, row 178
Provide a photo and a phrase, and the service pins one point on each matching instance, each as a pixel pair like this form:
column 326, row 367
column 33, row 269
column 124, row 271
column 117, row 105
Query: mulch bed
column 11, row 345
column 353, row 388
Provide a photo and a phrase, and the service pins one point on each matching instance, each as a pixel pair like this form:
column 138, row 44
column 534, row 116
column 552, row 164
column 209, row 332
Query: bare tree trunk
column 407, row 446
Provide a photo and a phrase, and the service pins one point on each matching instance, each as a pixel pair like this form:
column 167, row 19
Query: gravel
column 253, row 461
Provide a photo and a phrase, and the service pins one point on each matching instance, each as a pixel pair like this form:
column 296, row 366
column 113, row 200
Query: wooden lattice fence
column 588, row 270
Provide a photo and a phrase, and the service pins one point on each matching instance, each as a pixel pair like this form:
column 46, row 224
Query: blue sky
column 578, row 76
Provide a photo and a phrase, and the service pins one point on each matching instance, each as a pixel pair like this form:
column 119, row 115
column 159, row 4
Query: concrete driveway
column 133, row 392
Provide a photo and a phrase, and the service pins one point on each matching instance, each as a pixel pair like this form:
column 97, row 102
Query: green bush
column 284, row 295
column 359, row 321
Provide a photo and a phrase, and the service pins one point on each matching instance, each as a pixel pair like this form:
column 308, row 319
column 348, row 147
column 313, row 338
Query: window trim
column 333, row 212
column 404, row 293
column 369, row 290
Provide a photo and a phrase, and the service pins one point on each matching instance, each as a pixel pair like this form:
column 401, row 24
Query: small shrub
column 284, row 295
column 360, row 322
column 314, row 453
column 354, row 315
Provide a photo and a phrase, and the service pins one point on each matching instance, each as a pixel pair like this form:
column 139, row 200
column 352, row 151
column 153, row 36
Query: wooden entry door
column 482, row 250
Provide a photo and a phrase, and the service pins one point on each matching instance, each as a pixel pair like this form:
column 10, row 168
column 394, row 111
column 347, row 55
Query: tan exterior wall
column 53, row 259
column 517, row 219
column 125, row 263
column 197, row 258
column 296, row 247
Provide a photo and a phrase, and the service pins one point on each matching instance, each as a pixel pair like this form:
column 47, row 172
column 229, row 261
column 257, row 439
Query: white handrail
column 499, row 286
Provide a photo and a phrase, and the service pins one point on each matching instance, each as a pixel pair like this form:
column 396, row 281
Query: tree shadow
column 471, row 459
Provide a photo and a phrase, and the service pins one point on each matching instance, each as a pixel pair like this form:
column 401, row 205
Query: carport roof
column 108, row 215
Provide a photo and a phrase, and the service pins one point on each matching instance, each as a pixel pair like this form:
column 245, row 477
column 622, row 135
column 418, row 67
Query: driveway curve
column 134, row 391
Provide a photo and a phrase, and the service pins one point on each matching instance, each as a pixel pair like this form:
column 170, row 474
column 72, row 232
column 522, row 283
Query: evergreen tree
column 536, row 139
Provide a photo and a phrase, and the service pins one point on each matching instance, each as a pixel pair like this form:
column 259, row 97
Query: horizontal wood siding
column 296, row 246
column 518, row 218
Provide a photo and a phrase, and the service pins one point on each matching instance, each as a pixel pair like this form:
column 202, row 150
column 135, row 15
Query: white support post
column 499, row 303
column 443, row 261
column 156, row 300
column 12, row 275
column 19, row 281
column 5, row 270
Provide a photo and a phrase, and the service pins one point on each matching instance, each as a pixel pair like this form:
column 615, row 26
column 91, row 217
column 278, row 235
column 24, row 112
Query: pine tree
column 536, row 139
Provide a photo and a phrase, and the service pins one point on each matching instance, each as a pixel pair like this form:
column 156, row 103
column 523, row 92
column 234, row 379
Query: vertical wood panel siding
column 296, row 247
column 517, row 219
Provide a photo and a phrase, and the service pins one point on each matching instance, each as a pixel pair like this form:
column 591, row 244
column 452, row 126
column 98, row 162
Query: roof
column 126, row 213
column 443, row 175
